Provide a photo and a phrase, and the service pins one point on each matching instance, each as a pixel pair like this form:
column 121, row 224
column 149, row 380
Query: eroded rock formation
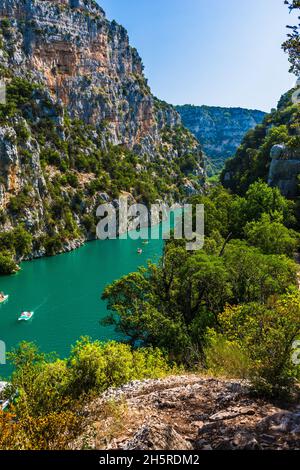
column 285, row 170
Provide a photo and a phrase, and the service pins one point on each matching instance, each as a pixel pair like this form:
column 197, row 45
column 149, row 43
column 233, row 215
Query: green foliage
column 53, row 245
column 229, row 214
column 264, row 336
column 19, row 93
column 292, row 44
column 98, row 366
column 88, row 221
column 7, row 264
column 22, row 241
column 172, row 304
column 15, row 243
column 47, row 385
column 18, row 203
column 224, row 357
column 272, row 237
column 252, row 160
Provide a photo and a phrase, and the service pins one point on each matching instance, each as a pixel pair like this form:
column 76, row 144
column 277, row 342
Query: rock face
column 80, row 121
column 188, row 412
column 220, row 130
column 284, row 170
column 87, row 63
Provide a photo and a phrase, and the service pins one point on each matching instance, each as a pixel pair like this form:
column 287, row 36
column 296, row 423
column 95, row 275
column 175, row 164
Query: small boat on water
column 146, row 242
column 25, row 316
column 3, row 297
column 140, row 251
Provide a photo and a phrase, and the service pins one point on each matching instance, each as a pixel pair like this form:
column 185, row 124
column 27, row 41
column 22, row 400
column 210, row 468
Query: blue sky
column 214, row 52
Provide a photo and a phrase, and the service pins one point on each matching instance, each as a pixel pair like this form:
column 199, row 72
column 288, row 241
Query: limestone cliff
column 285, row 170
column 80, row 124
column 220, row 130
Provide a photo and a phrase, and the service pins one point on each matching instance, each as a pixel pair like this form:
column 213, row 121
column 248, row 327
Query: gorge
column 79, row 124
column 140, row 344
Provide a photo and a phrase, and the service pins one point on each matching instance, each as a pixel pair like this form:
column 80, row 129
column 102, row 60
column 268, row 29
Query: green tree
column 292, row 45
column 266, row 333
column 271, row 237
column 255, row 276
column 7, row 264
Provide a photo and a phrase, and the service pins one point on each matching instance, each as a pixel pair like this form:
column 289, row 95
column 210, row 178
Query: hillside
column 220, row 130
column 269, row 152
column 79, row 125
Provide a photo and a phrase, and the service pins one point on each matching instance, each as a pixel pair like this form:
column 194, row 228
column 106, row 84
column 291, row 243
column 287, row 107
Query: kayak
column 25, row 316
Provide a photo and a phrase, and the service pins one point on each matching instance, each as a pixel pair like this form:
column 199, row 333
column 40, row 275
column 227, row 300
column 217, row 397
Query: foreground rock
column 188, row 412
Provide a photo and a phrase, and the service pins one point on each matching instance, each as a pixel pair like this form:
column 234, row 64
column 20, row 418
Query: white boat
column 25, row 316
column 140, row 251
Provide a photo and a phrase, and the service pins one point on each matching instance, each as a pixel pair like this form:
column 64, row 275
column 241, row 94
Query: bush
column 53, row 245
column 98, row 366
column 264, row 336
column 22, row 241
column 46, row 384
column 89, row 224
column 7, row 264
column 18, row 203
column 225, row 358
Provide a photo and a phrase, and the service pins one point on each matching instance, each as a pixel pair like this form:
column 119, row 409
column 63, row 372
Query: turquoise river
column 65, row 294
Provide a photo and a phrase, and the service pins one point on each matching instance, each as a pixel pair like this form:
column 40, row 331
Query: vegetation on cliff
column 57, row 166
column 253, row 158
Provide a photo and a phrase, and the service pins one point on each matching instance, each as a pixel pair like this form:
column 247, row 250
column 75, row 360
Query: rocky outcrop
column 285, row 170
column 220, row 130
column 189, row 412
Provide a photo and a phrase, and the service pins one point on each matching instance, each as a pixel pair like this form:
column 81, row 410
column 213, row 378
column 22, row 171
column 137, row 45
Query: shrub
column 18, row 203
column 98, row 366
column 53, row 245
column 7, row 264
column 225, row 358
column 22, row 241
column 89, row 224
column 265, row 334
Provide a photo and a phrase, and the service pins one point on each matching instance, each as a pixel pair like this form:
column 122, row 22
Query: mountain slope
column 269, row 152
column 220, row 130
column 80, row 126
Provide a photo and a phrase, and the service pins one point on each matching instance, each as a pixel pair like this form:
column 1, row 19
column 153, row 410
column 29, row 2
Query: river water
column 65, row 294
